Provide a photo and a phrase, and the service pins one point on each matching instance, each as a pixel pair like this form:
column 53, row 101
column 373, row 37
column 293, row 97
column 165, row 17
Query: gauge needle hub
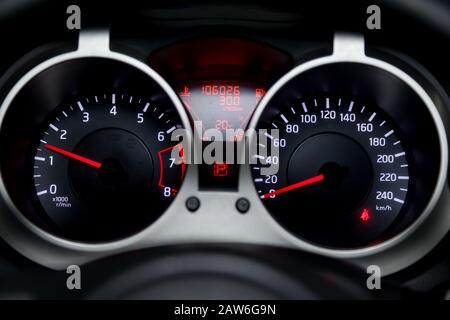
column 74, row 156
column 297, row 185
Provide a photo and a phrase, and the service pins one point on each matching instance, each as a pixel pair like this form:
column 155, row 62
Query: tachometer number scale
column 98, row 165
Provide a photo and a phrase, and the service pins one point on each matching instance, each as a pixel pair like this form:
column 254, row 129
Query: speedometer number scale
column 343, row 174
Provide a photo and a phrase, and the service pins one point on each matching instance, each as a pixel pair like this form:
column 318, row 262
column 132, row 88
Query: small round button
column 242, row 205
column 192, row 204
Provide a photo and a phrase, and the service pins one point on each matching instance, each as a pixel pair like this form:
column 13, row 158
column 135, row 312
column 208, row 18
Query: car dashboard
column 226, row 124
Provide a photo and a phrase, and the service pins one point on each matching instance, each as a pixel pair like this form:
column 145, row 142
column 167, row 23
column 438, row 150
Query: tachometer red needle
column 297, row 185
column 74, row 156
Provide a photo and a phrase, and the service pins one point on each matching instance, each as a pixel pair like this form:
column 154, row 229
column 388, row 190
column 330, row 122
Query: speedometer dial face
column 104, row 167
column 342, row 174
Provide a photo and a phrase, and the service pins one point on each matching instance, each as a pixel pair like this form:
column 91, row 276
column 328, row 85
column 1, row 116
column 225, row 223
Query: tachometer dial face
column 105, row 166
column 342, row 171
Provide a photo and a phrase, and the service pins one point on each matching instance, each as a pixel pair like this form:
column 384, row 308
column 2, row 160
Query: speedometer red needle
column 74, row 156
column 297, row 185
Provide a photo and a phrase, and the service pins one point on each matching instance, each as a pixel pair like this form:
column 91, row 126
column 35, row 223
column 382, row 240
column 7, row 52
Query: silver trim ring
column 92, row 44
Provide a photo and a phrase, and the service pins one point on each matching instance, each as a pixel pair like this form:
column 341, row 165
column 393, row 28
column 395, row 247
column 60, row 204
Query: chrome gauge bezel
column 350, row 48
column 92, row 44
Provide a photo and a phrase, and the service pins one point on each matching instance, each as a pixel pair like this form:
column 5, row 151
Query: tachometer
column 104, row 166
column 342, row 170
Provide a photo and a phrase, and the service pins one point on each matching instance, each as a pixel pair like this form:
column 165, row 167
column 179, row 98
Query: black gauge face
column 343, row 172
column 105, row 166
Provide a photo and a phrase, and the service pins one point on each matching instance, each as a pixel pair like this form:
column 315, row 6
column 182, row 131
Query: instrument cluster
column 343, row 154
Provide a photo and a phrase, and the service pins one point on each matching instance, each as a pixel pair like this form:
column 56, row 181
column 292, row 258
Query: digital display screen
column 221, row 104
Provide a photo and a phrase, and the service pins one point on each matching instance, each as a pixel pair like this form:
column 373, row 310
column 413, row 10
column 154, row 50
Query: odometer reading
column 343, row 173
column 221, row 104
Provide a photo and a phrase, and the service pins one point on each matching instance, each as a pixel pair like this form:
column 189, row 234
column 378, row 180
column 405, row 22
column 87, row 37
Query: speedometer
column 341, row 171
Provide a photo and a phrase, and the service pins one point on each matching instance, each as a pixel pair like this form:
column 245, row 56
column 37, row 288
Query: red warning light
column 185, row 92
column 365, row 215
column 220, row 170
column 260, row 93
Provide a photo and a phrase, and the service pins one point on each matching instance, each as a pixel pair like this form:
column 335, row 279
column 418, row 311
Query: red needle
column 297, row 185
column 74, row 156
